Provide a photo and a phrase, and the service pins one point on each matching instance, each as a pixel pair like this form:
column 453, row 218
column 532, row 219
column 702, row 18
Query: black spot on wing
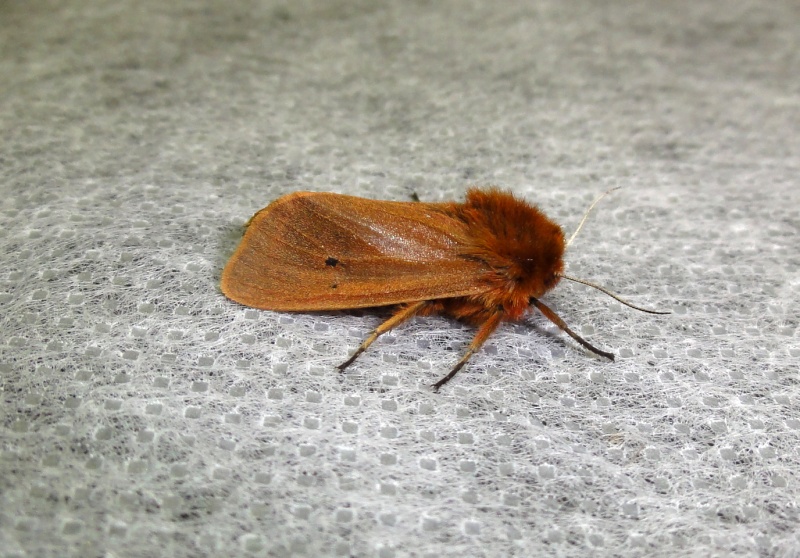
column 332, row 262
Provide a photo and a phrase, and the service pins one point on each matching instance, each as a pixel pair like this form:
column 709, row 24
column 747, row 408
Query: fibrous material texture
column 144, row 414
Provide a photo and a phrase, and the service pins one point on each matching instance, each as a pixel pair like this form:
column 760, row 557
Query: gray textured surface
column 145, row 415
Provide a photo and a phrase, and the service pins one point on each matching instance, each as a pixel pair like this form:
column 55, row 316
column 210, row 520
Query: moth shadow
column 229, row 239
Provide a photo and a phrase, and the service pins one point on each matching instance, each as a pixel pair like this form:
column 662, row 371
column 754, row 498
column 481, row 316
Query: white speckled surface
column 143, row 414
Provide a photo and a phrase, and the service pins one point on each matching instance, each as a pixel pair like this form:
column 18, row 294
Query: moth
column 487, row 260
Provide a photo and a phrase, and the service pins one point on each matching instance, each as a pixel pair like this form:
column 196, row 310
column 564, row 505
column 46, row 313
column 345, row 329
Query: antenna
column 609, row 293
column 588, row 211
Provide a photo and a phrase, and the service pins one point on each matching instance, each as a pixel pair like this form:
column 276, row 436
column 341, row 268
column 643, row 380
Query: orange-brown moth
column 484, row 261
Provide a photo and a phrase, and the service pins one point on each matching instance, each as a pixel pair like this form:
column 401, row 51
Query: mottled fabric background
column 143, row 414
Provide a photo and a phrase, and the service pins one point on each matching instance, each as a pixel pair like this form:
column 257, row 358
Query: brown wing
column 321, row 251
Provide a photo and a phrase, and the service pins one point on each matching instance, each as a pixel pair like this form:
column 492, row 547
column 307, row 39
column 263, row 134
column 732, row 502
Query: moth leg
column 403, row 314
column 483, row 334
column 553, row 317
